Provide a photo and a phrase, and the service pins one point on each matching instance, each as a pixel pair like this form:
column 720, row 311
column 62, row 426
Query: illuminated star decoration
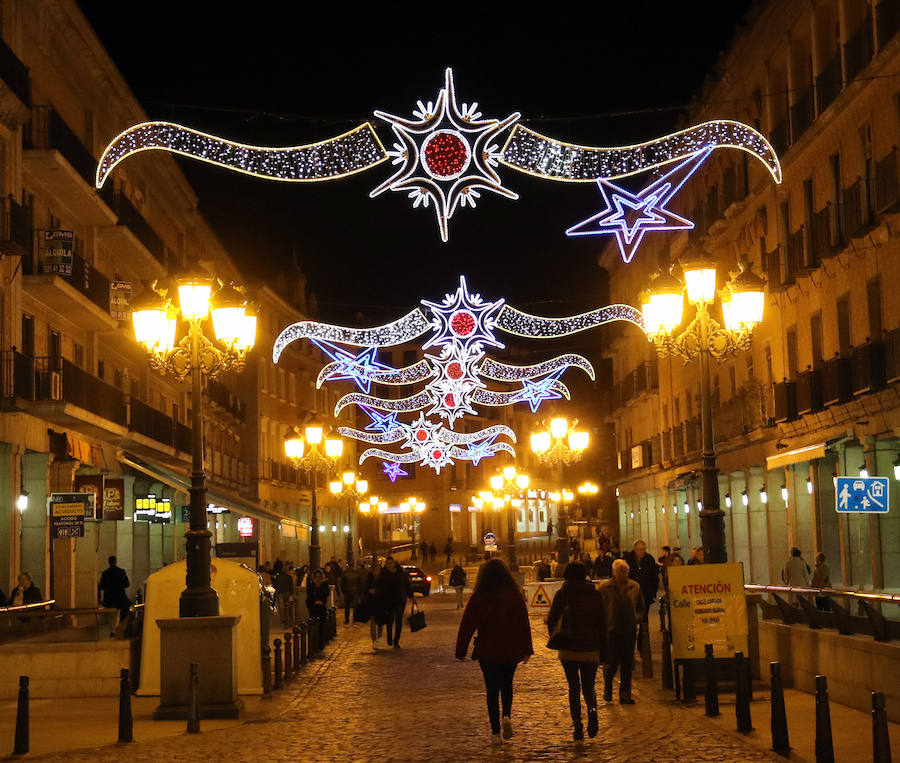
column 393, row 470
column 349, row 366
column 535, row 392
column 478, row 450
column 446, row 154
column 629, row 216
column 386, row 422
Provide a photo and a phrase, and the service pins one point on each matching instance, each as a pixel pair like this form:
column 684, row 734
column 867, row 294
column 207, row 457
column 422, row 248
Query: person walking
column 458, row 582
column 26, row 592
column 284, row 593
column 577, row 620
column 625, row 610
column 393, row 589
column 496, row 610
column 432, row 551
column 643, row 569
column 374, row 605
column 448, row 550
column 796, row 571
column 821, row 578
column 350, row 585
column 423, row 551
column 697, row 555
column 111, row 589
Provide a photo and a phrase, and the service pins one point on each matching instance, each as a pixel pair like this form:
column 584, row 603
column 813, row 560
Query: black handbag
column 561, row 638
column 361, row 613
column 416, row 620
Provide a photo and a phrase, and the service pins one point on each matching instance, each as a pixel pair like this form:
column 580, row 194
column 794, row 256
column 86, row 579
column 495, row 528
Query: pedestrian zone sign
column 864, row 495
column 540, row 598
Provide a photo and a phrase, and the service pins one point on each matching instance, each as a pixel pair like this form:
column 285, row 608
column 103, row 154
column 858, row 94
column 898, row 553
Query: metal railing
column 15, row 74
column 48, row 130
column 131, row 218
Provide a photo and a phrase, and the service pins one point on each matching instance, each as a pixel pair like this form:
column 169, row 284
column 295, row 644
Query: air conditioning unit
column 49, row 385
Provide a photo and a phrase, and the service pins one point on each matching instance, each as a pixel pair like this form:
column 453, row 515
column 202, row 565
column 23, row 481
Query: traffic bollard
column 742, row 698
column 126, row 719
column 278, row 674
column 267, row 671
column 193, row 719
column 780, row 742
column 689, row 687
column 667, row 682
column 304, row 643
column 288, row 673
column 712, row 688
column 881, row 740
column 295, row 662
column 824, row 744
column 21, row 743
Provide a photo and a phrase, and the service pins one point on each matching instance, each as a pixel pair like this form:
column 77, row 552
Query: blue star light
column 393, row 470
column 381, row 422
column 479, row 450
column 349, row 366
column 628, row 216
column 536, row 392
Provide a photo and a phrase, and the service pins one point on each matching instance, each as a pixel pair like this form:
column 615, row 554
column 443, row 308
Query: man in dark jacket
column 625, row 610
column 284, row 593
column 643, row 569
column 351, row 587
column 113, row 584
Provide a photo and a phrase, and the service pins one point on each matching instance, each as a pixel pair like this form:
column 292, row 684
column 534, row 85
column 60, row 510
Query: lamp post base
column 315, row 557
column 712, row 532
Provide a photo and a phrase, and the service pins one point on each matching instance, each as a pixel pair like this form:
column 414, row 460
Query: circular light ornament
column 446, row 155
column 462, row 323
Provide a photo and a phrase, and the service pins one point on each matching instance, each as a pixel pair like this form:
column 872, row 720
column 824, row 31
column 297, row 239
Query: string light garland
column 458, row 330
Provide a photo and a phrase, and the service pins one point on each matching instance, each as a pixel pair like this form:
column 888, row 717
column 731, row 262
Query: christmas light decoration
column 445, row 155
column 393, row 470
column 629, row 216
column 536, row 154
column 336, row 157
column 460, row 328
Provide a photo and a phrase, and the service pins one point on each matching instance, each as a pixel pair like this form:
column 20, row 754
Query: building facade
column 817, row 394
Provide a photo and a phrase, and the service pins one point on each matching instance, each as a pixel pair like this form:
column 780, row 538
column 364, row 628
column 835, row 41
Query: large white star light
column 463, row 320
column 446, row 154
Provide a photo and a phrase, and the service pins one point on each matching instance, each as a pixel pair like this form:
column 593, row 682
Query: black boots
column 593, row 725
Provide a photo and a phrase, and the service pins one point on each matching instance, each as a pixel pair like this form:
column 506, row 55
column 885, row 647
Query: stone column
column 34, row 554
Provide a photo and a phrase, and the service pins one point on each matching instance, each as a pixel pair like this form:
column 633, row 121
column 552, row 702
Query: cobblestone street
column 419, row 703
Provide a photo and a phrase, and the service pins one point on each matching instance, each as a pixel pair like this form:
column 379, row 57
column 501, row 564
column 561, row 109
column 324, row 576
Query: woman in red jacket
column 497, row 611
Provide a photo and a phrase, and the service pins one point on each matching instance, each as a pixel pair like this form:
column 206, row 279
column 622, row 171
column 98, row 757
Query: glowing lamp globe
column 699, row 268
column 579, row 440
column 748, row 296
column 373, row 500
column 294, row 446
column 148, row 317
column 558, row 427
column 540, row 442
column 227, row 308
column 334, row 447
column 362, row 486
column 522, row 481
column 314, row 434
column 509, row 473
column 496, row 482
column 194, row 289
column 348, row 478
column 665, row 302
column 335, row 487
column 365, row 507
column 247, row 336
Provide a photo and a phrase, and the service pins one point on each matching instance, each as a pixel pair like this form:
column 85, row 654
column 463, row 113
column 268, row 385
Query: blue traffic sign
column 864, row 495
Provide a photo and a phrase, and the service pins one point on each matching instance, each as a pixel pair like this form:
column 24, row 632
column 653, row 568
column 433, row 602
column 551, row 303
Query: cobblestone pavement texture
column 418, row 703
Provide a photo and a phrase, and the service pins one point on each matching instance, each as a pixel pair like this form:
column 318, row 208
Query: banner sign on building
column 708, row 606
column 163, row 515
column 863, row 495
column 93, row 484
column 114, row 499
column 55, row 252
column 67, row 513
column 245, row 527
column 120, row 294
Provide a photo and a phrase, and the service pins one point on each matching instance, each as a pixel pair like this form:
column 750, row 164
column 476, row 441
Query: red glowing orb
column 449, row 400
column 445, row 155
column 421, row 435
column 436, row 454
column 462, row 323
column 455, row 370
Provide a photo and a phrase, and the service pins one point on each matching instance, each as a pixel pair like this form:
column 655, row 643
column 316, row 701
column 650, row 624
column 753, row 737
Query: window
column 101, row 369
column 732, row 380
column 750, row 371
column 78, row 354
column 791, row 349
column 815, row 332
column 54, row 344
column 873, row 305
column 837, row 219
column 843, row 321
column 27, row 335
column 292, row 390
column 865, row 138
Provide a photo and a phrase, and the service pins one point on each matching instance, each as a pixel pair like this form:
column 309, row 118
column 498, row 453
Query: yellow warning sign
column 540, row 598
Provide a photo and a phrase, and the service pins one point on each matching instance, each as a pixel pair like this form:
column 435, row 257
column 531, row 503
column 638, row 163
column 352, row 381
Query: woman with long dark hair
column 497, row 612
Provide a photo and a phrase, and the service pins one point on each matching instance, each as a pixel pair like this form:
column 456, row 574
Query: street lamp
column 508, row 480
column 312, row 451
column 742, row 301
column 413, row 506
column 559, row 445
column 352, row 488
column 155, row 319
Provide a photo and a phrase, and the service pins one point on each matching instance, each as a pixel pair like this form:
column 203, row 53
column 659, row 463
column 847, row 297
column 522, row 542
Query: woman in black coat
column 393, row 589
column 26, row 592
column 578, row 618
column 317, row 594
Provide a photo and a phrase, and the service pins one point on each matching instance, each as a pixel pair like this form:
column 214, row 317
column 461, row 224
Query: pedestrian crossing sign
column 864, row 495
column 540, row 598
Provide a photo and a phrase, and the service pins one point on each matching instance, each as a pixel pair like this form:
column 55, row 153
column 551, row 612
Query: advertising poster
column 114, row 499
column 55, row 254
column 120, row 293
column 708, row 607
column 67, row 512
column 93, row 484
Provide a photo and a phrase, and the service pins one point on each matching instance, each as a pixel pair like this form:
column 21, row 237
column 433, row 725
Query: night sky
column 263, row 77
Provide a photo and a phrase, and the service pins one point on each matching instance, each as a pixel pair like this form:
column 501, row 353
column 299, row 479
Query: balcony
column 858, row 49
column 15, row 228
column 858, row 218
column 785, row 393
column 743, row 413
column 692, row 436
column 61, row 393
column 796, row 257
column 828, row 83
column 132, row 234
column 222, row 399
column 82, row 295
column 892, row 355
column 15, row 89
column 780, row 137
column 150, row 422
column 56, row 163
column 820, row 247
column 887, row 189
column 837, row 384
column 887, row 19
column 809, row 391
column 802, row 114
column 678, row 441
column 868, row 364
column 776, row 274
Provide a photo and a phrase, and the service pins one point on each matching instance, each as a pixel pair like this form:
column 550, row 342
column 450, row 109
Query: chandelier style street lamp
column 351, row 487
column 509, row 482
column 312, row 451
column 415, row 507
column 559, row 445
column 742, row 301
column 374, row 507
column 155, row 317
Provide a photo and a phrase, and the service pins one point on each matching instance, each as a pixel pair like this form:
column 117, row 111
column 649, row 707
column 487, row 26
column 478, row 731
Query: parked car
column 418, row 580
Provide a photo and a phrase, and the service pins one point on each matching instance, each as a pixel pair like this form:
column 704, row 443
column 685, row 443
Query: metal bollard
column 304, row 643
column 780, row 742
column 193, row 719
column 742, row 699
column 288, row 673
column 295, row 662
column 278, row 674
column 824, row 744
column 21, row 743
column 267, row 671
column 881, row 740
column 688, row 684
column 126, row 719
column 712, row 688
column 667, row 681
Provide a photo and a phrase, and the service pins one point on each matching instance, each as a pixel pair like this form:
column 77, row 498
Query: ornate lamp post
column 156, row 327
column 415, row 507
column 352, row 488
column 742, row 301
column 510, row 481
column 557, row 446
column 311, row 452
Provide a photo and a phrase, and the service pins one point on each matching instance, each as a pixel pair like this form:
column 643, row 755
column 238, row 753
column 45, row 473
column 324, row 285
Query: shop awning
column 215, row 494
column 808, row 453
